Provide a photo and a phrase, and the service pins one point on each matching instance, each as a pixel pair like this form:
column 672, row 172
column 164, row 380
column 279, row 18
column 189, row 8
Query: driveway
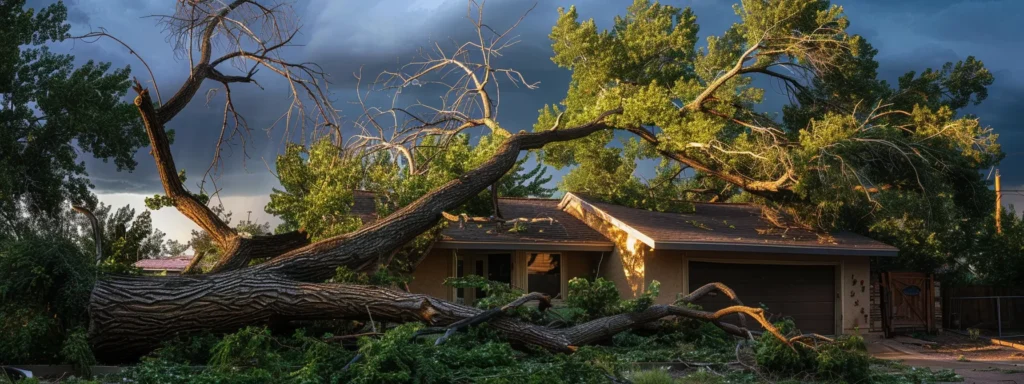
column 919, row 353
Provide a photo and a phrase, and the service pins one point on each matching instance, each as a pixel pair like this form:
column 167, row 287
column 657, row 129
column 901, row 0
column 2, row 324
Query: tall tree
column 850, row 151
column 126, row 237
column 49, row 111
column 646, row 77
column 174, row 248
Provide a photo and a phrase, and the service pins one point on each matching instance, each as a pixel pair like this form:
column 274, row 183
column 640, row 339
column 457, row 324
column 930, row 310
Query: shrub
column 45, row 283
column 77, row 352
column 599, row 298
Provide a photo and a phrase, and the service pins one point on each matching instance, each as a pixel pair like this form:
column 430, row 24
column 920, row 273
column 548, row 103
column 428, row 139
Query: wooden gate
column 908, row 302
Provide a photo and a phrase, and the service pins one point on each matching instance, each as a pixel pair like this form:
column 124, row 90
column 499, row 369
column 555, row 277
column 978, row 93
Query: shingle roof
column 737, row 227
column 565, row 229
column 171, row 264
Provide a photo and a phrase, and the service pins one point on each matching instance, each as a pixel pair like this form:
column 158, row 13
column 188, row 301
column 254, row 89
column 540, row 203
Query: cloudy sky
column 344, row 35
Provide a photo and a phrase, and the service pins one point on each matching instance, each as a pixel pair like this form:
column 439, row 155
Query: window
column 544, row 274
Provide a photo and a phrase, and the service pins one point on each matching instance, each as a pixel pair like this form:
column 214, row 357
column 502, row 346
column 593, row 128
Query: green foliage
column 45, row 283
column 600, row 298
column 654, row 376
column 394, row 359
column 597, row 298
column 127, row 237
column 53, row 110
column 998, row 258
column 898, row 162
column 496, row 294
column 76, row 351
column 174, row 248
column 845, row 360
column 382, row 277
column 318, row 182
column 892, row 372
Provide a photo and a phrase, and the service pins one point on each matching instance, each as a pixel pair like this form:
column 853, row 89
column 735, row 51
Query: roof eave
column 525, row 246
column 775, row 248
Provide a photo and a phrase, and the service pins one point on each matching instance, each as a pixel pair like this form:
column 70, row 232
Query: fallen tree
column 131, row 315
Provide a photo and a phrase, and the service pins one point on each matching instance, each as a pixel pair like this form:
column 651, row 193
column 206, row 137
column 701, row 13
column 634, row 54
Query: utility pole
column 247, row 216
column 999, row 205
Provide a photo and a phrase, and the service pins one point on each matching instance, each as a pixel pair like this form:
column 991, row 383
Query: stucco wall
column 583, row 264
column 430, row 274
column 668, row 269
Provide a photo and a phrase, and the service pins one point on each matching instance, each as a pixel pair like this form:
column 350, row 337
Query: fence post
column 999, row 316
column 960, row 312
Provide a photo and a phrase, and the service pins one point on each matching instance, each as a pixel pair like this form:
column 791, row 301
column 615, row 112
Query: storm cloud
column 346, row 36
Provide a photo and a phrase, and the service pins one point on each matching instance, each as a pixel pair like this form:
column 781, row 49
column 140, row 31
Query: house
column 170, row 266
column 818, row 280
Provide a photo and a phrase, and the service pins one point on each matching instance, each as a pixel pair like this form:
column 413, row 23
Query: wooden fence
column 977, row 306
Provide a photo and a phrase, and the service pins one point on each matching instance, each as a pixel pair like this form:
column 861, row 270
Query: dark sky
column 342, row 35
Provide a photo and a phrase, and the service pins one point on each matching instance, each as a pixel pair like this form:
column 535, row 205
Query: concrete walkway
column 971, row 371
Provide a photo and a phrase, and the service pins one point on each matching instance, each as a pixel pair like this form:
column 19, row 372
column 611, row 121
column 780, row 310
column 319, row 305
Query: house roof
column 562, row 232
column 171, row 264
column 711, row 227
column 727, row 227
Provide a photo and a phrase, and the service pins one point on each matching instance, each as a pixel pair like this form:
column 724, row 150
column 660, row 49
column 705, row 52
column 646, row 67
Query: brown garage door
column 804, row 293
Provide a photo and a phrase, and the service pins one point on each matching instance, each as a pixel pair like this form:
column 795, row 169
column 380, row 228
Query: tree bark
column 130, row 316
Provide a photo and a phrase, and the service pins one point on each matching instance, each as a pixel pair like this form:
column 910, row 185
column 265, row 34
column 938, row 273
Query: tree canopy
column 50, row 111
column 849, row 151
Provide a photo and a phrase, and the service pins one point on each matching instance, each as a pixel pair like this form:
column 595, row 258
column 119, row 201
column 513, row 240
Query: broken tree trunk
column 132, row 315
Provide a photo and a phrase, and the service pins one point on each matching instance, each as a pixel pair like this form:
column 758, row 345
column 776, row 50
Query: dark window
column 459, row 272
column 544, row 274
column 479, row 271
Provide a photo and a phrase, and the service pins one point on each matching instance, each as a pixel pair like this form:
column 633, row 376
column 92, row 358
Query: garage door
column 804, row 293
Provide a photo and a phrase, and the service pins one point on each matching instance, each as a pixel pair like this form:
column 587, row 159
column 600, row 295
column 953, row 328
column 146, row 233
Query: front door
column 493, row 266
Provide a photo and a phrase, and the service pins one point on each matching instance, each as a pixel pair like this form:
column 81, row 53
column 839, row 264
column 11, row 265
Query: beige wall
column 670, row 269
column 437, row 266
column 431, row 272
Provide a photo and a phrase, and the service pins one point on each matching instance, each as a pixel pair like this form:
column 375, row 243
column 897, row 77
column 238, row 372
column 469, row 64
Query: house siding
column 429, row 276
column 583, row 264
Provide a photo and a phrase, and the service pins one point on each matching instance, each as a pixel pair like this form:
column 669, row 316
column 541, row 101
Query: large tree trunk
column 132, row 315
